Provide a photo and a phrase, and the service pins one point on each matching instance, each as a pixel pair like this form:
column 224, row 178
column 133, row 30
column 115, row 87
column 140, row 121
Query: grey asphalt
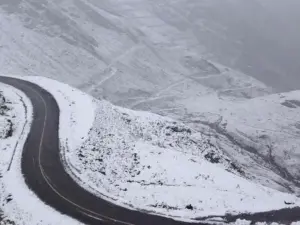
column 45, row 175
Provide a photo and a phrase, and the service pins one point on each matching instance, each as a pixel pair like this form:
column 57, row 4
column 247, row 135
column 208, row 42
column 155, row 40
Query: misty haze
column 149, row 111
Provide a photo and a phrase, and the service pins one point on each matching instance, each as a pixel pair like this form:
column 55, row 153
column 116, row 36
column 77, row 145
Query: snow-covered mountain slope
column 109, row 35
column 191, row 171
column 138, row 54
column 128, row 156
column 268, row 129
column 161, row 56
column 132, row 155
column 15, row 120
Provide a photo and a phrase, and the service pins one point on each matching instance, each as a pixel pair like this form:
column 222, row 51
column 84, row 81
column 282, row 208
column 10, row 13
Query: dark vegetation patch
column 264, row 136
column 80, row 155
column 3, row 111
column 1, row 216
column 289, row 203
column 158, row 183
column 297, row 125
column 282, row 216
column 293, row 104
column 8, row 198
column 126, row 118
column 178, row 129
column 9, row 131
column 202, row 66
column 164, row 206
column 189, row 207
column 3, row 107
column 212, row 157
column 237, row 168
column 5, row 221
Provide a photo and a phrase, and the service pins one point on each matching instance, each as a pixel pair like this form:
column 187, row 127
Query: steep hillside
column 126, row 156
column 266, row 129
column 221, row 162
column 130, row 156
column 180, row 59
column 139, row 54
column 107, row 35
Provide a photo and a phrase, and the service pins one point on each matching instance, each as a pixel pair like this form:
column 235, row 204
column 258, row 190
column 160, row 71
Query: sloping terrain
column 108, row 39
column 165, row 57
column 267, row 128
column 212, row 167
column 138, row 54
column 128, row 155
column 149, row 162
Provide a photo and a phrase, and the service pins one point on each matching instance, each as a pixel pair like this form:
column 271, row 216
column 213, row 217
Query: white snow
column 120, row 55
column 137, row 160
column 269, row 124
column 76, row 111
column 18, row 203
column 160, row 57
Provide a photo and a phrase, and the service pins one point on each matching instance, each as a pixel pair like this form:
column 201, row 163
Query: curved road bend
column 45, row 175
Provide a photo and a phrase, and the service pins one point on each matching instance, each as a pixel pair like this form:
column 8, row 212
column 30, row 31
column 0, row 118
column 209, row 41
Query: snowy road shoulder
column 16, row 108
column 76, row 111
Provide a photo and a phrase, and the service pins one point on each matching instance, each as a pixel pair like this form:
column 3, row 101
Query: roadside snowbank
column 16, row 111
column 76, row 110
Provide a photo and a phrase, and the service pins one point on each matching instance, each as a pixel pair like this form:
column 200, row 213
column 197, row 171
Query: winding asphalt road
column 44, row 172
